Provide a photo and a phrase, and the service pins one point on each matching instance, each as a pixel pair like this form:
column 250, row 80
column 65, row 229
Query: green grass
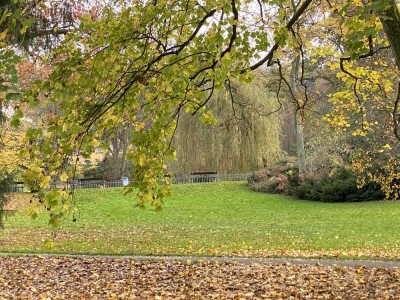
column 215, row 219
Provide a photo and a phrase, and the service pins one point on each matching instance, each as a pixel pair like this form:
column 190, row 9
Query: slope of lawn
column 214, row 219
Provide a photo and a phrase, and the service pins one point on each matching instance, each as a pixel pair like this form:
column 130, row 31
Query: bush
column 106, row 169
column 274, row 179
column 340, row 185
column 94, row 171
column 273, row 185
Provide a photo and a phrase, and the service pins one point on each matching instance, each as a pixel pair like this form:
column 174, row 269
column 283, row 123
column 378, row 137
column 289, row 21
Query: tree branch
column 268, row 58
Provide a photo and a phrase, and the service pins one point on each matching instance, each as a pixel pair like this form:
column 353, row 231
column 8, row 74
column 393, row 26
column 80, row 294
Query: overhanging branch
column 268, row 58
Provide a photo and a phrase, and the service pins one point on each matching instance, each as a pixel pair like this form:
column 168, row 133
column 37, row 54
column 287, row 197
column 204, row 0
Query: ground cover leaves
column 44, row 277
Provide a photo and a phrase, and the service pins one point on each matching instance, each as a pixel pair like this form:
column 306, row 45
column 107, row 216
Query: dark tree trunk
column 391, row 25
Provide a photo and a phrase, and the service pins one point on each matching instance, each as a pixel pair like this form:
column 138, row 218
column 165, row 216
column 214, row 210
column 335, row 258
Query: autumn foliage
column 94, row 277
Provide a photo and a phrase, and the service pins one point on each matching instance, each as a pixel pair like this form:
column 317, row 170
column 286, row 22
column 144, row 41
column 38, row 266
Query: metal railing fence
column 120, row 183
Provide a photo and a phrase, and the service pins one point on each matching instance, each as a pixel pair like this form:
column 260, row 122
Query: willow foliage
column 244, row 138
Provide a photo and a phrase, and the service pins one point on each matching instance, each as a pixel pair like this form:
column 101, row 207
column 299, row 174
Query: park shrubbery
column 339, row 185
column 274, row 179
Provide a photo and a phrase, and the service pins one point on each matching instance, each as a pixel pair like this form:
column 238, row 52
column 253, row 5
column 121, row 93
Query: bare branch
column 270, row 55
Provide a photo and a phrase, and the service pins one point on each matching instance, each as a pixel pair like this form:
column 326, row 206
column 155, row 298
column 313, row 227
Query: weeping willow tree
column 244, row 138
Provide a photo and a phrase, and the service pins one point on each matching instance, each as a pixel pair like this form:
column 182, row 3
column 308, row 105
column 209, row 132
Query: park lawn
column 214, row 219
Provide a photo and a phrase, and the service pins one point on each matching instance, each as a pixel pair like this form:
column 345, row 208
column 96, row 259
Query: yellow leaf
column 3, row 35
column 387, row 146
column 33, row 212
column 49, row 244
column 63, row 177
column 44, row 182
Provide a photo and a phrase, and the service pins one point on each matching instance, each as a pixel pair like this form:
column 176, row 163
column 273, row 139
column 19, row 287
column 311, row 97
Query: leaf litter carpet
column 58, row 277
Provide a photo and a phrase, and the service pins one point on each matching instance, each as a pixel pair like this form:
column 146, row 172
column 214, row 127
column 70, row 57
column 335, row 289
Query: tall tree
column 8, row 92
column 149, row 61
column 26, row 26
column 119, row 139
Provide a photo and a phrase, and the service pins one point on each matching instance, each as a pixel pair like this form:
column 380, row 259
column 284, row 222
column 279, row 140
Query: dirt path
column 388, row 264
column 147, row 277
column 278, row 261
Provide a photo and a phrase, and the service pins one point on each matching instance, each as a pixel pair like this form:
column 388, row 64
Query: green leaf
column 44, row 182
column 13, row 96
column 16, row 119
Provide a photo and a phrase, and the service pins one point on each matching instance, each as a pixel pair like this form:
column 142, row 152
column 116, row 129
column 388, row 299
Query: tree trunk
column 120, row 144
column 301, row 158
column 391, row 25
column 125, row 145
column 301, row 155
